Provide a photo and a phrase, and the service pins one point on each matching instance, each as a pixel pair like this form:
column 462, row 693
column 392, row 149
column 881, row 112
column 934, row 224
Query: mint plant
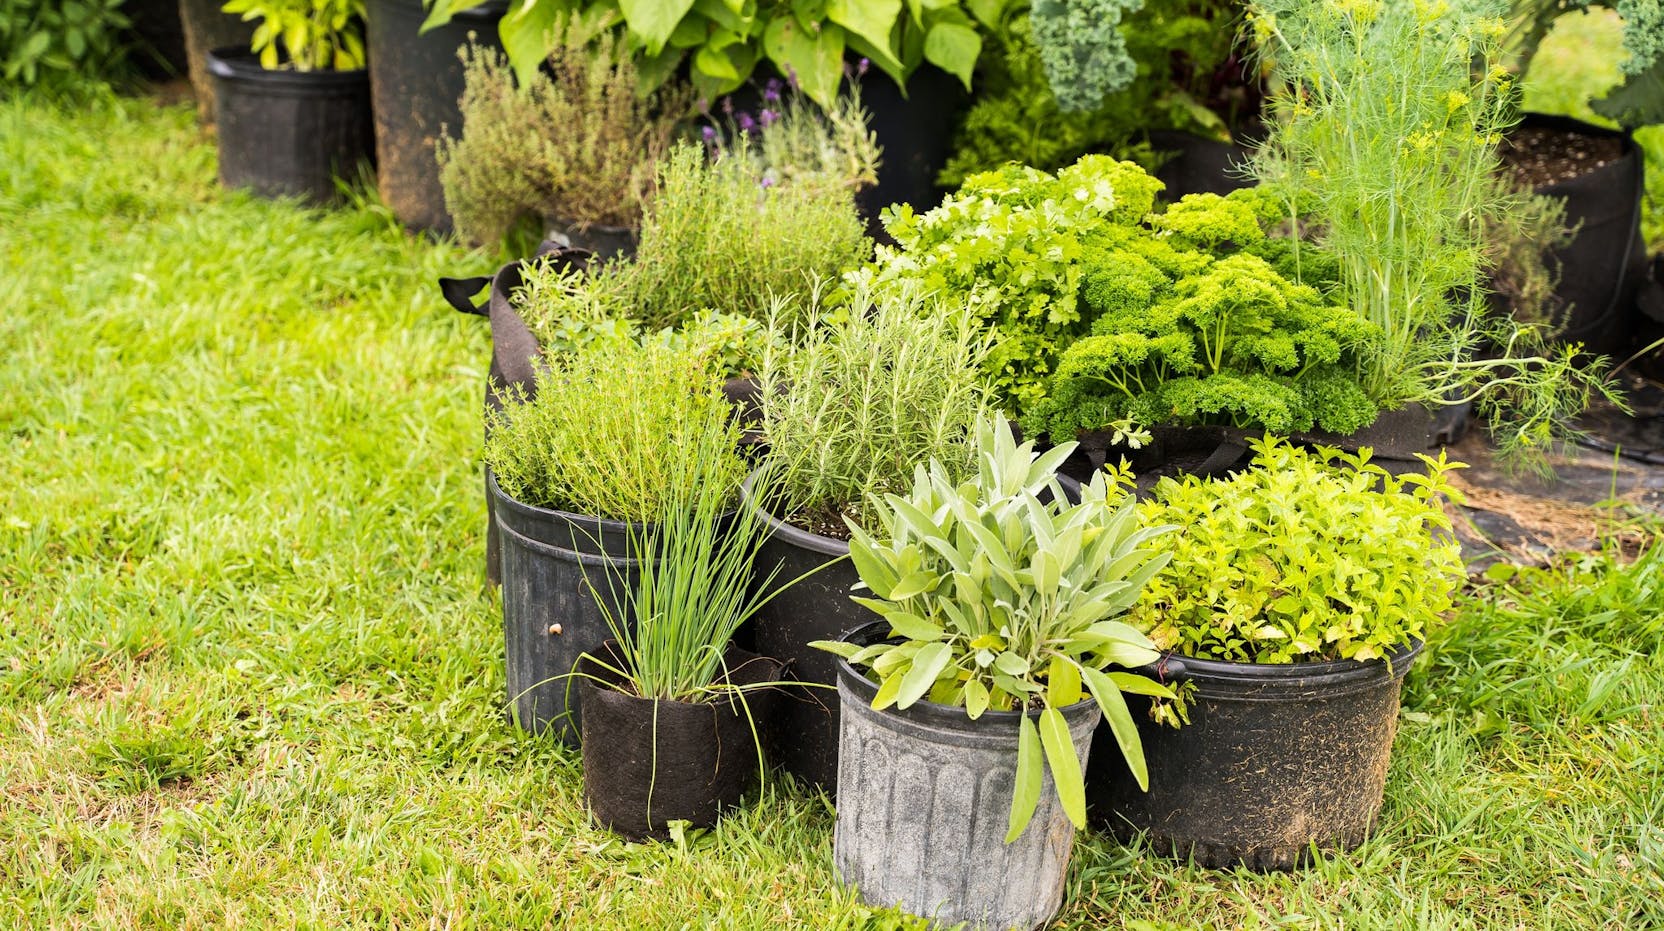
column 1309, row 555
column 1001, row 596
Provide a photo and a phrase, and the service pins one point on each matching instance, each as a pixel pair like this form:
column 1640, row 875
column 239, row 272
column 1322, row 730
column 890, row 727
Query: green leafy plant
column 793, row 140
column 1106, row 312
column 1639, row 100
column 605, row 432
column 723, row 41
column 1386, row 121
column 720, row 235
column 60, row 40
column 1082, row 49
column 1308, row 555
column 573, row 143
column 305, row 35
column 852, row 402
column 1001, row 595
column 1186, row 76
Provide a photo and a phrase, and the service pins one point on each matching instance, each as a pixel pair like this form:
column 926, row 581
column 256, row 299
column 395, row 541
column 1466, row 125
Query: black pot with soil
column 1277, row 759
column 800, row 731
column 417, row 81
column 1600, row 175
column 206, row 28
column 289, row 133
column 562, row 574
column 650, row 762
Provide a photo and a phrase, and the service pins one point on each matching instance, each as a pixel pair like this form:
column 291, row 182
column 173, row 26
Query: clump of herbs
column 303, row 35
column 1386, row 122
column 1305, row 556
column 720, row 235
column 574, row 142
column 604, row 433
column 865, row 396
column 1108, row 315
column 791, row 140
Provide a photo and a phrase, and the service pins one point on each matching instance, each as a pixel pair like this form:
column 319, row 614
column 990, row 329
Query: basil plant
column 1001, row 595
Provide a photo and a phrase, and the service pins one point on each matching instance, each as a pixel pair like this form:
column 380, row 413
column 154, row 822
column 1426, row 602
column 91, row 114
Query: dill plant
column 606, row 432
column 1386, row 120
column 870, row 393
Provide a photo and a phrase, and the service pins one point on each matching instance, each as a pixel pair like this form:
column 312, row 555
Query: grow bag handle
column 458, row 293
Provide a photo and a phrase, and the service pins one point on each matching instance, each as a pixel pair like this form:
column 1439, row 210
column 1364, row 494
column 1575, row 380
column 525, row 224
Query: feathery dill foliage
column 577, row 143
column 867, row 395
column 694, row 588
column 605, row 433
column 1386, row 119
column 718, row 236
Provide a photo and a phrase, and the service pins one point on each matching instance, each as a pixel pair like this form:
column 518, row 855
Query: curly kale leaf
column 1082, row 48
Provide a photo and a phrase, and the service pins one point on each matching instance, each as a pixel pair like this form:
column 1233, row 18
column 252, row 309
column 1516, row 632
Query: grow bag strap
column 459, row 293
column 1225, row 455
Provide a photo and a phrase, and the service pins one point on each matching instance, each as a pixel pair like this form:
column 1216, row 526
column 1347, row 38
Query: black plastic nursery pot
column 800, row 732
column 915, row 131
column 561, row 576
column 207, row 27
column 417, row 82
column 1278, row 759
column 1194, row 164
column 923, row 799
column 648, row 763
column 1605, row 264
column 289, row 133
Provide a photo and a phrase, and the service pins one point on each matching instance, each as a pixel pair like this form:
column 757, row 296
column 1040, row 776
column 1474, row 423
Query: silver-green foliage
column 869, row 394
column 1082, row 49
column 1001, row 595
column 605, row 433
column 1386, row 119
column 1306, row 556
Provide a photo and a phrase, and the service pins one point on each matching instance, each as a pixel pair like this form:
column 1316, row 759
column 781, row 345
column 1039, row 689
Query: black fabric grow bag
column 558, row 570
column 287, row 133
column 417, row 81
column 1605, row 264
column 647, row 763
column 1276, row 758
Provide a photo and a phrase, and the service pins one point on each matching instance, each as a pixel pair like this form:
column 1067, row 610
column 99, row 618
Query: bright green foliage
column 63, row 40
column 719, row 236
column 1082, row 49
column 1106, row 312
column 1004, row 599
column 1235, row 344
column 873, row 391
column 574, row 143
column 605, row 434
column 1176, row 46
column 723, row 41
column 1305, row 556
column 306, row 35
column 1639, row 100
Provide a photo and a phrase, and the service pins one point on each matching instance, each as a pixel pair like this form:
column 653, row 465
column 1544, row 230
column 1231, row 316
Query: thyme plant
column 1386, row 121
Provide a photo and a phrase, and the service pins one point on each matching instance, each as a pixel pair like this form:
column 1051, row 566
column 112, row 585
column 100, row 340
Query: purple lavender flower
column 728, row 105
column 767, row 117
column 703, row 105
column 768, row 181
column 862, row 66
column 771, row 91
column 791, row 77
column 708, row 132
column 745, row 122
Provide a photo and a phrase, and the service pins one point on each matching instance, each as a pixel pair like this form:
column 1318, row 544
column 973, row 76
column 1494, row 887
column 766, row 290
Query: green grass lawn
column 249, row 677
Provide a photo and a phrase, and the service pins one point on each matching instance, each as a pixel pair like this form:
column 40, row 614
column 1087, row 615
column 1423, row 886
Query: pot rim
column 789, row 533
column 738, row 657
column 604, row 524
column 238, row 64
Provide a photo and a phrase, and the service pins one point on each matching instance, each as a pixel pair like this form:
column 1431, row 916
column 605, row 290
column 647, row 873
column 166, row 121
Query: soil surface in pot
column 1540, row 155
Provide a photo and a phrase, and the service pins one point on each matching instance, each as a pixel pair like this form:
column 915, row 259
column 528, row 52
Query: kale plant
column 1083, row 50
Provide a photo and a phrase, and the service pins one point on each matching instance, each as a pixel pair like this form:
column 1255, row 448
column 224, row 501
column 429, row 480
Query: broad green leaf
column 976, row 698
column 1132, row 683
column 954, row 49
column 1115, row 711
column 914, row 583
column 871, row 566
column 841, row 648
column 987, row 12
column 653, row 21
column 816, row 60
column 1062, row 682
column 914, row 627
column 870, row 20
column 1025, row 795
column 715, row 63
column 927, row 665
column 1065, row 765
column 887, row 692
column 1011, row 664
column 526, row 34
